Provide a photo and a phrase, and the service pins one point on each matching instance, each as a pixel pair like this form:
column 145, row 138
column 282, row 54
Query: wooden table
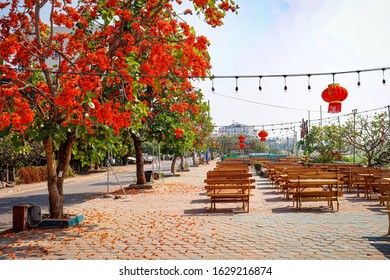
column 314, row 190
column 368, row 178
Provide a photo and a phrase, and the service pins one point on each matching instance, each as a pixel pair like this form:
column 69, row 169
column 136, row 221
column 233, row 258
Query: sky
column 283, row 37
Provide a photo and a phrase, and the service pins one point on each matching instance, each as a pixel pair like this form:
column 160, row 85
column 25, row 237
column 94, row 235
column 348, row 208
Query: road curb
column 42, row 185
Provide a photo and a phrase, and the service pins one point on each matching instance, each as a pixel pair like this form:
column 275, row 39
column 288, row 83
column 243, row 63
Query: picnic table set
column 232, row 182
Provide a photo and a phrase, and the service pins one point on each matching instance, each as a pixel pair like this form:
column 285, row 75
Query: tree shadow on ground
column 381, row 243
column 7, row 203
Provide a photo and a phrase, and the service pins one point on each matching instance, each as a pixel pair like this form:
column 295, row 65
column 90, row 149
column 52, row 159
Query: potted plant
column 258, row 167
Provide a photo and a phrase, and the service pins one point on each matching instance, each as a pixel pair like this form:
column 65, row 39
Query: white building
column 236, row 129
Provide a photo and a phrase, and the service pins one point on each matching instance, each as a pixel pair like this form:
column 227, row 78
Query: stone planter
column 68, row 221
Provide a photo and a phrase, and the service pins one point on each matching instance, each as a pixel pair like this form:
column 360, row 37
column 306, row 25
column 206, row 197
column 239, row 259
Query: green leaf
column 128, row 106
column 42, row 135
column 4, row 132
column 16, row 141
column 101, row 137
column 90, row 94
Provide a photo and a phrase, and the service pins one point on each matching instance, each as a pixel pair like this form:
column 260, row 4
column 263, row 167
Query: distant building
column 236, row 129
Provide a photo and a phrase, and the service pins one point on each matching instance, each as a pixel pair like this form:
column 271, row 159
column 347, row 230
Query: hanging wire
column 308, row 83
column 331, row 120
column 285, row 83
column 259, row 103
column 212, row 85
column 236, row 83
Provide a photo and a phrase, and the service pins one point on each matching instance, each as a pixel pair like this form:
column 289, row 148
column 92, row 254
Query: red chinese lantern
column 242, row 146
column 212, row 143
column 334, row 94
column 263, row 135
column 178, row 132
column 241, row 138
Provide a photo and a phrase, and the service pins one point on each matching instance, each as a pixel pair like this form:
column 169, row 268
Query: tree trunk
column 139, row 160
column 173, row 164
column 56, row 174
column 124, row 160
column 193, row 158
column 181, row 163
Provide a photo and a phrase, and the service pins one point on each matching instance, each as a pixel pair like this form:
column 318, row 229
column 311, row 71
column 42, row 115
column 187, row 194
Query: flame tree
column 72, row 71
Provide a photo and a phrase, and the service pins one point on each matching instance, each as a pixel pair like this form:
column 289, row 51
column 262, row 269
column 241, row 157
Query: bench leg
column 330, row 203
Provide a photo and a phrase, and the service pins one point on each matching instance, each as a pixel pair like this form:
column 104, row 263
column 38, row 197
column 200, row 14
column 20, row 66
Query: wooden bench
column 228, row 174
column 222, row 180
column 231, row 168
column 229, row 191
column 316, row 195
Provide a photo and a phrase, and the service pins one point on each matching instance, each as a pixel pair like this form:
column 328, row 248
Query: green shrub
column 257, row 165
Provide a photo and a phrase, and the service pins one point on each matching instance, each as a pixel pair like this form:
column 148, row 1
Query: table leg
column 388, row 213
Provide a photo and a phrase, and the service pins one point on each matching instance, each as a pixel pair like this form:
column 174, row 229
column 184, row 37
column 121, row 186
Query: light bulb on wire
column 383, row 79
column 358, row 83
column 260, row 88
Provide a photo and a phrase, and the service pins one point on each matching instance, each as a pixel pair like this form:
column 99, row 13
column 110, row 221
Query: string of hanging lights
column 285, row 76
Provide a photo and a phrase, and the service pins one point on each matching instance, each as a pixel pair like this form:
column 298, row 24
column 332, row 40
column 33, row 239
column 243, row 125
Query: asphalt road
column 76, row 191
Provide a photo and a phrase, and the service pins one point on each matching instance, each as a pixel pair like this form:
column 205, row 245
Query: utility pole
column 108, row 171
column 354, row 111
column 388, row 111
column 321, row 123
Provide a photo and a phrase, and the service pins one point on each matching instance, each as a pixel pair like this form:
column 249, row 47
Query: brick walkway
column 173, row 222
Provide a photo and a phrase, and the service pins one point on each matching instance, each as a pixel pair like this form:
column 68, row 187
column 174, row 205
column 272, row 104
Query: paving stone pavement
column 173, row 222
